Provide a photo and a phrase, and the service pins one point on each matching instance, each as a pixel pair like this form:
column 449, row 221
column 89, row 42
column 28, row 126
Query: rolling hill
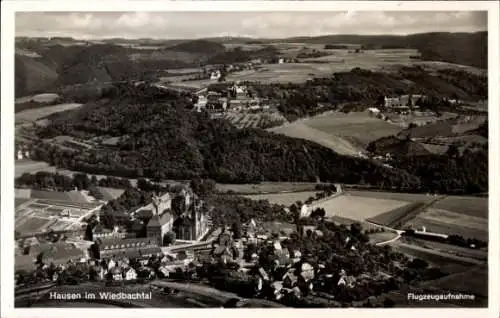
column 460, row 48
column 32, row 75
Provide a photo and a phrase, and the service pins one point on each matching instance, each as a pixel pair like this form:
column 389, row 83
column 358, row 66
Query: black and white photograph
column 250, row 159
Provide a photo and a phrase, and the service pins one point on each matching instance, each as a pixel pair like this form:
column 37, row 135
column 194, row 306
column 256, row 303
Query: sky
column 186, row 25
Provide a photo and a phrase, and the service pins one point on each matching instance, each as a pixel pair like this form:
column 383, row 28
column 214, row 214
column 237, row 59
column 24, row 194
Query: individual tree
column 453, row 151
column 236, row 228
column 179, row 205
column 169, row 238
column 89, row 235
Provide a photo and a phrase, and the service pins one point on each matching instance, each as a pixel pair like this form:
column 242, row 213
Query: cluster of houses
column 404, row 104
column 237, row 98
column 119, row 268
column 22, row 152
column 290, row 274
column 183, row 215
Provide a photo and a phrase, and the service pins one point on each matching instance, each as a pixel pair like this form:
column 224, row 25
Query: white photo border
column 7, row 147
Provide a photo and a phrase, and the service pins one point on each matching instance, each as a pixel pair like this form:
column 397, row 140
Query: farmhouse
column 373, row 111
column 410, row 100
column 215, row 75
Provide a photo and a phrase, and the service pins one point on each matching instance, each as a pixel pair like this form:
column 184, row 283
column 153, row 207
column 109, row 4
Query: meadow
column 336, row 61
column 472, row 281
column 346, row 134
column 472, row 206
column 286, row 199
column 300, row 130
column 451, row 223
column 266, row 187
column 34, row 114
column 29, row 166
column 33, row 224
column 357, row 208
column 394, row 217
column 408, row 197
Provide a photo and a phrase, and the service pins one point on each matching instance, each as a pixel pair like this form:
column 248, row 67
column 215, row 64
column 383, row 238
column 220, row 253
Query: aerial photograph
column 235, row 159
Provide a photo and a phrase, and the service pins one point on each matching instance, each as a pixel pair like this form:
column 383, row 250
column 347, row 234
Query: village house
column 116, row 274
column 130, row 274
column 215, row 75
column 346, row 280
column 390, row 102
column 276, row 288
column 410, row 100
column 290, row 279
column 374, row 111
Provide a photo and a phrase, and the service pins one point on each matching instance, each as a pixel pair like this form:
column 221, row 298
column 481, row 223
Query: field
column 33, row 224
column 409, row 197
column 283, row 198
column 337, row 61
column 266, row 187
column 71, row 196
column 440, row 145
column 20, row 201
column 257, row 120
column 31, row 115
column 447, row 222
column 473, row 281
column 61, row 225
column 40, row 98
column 473, row 206
column 369, row 59
column 478, row 254
column 302, row 131
column 394, row 217
column 435, row 258
column 358, row 208
column 28, row 166
column 380, row 237
column 346, row 134
column 109, row 194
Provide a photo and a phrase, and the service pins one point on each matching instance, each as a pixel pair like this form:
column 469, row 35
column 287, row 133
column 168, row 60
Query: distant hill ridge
column 61, row 65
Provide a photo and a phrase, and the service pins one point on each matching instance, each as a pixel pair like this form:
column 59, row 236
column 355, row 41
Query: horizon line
column 244, row 36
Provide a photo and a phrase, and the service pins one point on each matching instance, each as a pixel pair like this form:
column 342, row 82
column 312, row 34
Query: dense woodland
column 165, row 141
column 160, row 138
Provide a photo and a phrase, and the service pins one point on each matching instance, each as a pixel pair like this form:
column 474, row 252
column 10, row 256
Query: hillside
column 396, row 146
column 199, row 46
column 366, row 87
column 165, row 141
column 159, row 138
column 460, row 48
column 32, row 75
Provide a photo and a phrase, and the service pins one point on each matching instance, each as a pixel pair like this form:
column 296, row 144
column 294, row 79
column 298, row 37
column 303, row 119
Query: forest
column 160, row 138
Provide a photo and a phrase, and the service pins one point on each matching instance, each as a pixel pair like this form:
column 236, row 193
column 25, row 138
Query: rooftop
column 112, row 242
